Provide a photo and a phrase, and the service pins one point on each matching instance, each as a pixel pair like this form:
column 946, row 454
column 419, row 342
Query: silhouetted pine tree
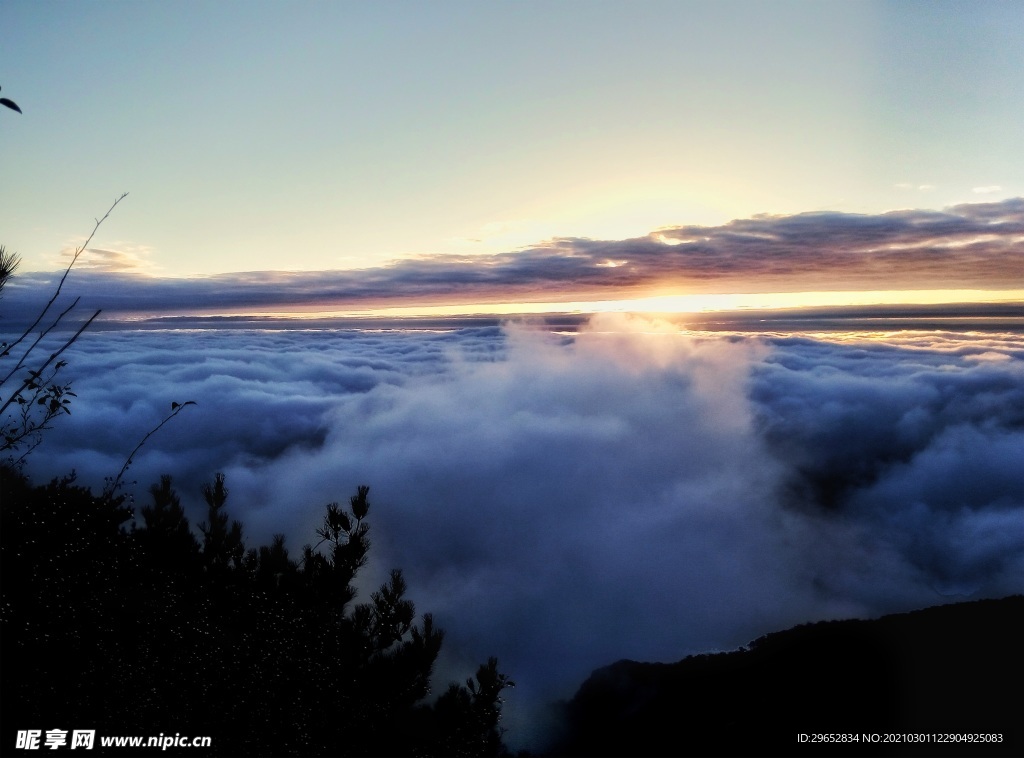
column 68, row 580
column 145, row 630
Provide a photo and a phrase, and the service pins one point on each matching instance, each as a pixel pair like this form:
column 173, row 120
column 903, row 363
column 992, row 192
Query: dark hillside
column 950, row 670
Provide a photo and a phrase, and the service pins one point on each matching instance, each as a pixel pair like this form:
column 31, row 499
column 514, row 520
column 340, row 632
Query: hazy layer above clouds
column 629, row 491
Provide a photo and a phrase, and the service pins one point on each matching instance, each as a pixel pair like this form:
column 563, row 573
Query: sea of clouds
column 562, row 501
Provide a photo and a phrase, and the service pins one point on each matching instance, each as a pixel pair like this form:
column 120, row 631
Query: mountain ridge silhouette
column 952, row 669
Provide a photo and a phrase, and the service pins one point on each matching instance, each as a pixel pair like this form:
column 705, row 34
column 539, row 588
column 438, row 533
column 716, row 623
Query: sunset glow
column 681, row 303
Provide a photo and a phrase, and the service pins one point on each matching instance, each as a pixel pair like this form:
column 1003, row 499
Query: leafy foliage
column 10, row 104
column 38, row 401
column 147, row 628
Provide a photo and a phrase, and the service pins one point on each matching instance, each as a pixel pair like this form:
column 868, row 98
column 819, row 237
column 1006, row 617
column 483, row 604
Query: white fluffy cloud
column 565, row 501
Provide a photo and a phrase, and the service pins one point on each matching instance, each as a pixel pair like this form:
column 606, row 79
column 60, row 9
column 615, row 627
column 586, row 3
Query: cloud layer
column 969, row 246
column 629, row 491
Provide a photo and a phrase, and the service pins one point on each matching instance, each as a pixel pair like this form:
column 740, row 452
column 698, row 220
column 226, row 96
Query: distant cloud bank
column 971, row 246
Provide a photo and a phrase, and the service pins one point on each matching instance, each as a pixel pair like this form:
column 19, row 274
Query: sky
column 370, row 141
column 601, row 438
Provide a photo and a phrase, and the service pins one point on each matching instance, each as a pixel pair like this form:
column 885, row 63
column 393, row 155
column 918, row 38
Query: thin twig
column 60, row 284
column 42, row 334
column 176, row 408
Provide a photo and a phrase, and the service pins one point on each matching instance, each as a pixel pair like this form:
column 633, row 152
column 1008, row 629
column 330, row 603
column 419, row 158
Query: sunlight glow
column 685, row 303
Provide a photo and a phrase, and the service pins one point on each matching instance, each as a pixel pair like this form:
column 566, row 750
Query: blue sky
column 307, row 136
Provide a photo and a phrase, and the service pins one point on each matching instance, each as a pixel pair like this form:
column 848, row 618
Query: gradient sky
column 301, row 136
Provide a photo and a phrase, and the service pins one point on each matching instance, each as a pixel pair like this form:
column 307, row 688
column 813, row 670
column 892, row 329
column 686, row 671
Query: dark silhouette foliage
column 148, row 628
column 10, row 104
column 9, row 263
